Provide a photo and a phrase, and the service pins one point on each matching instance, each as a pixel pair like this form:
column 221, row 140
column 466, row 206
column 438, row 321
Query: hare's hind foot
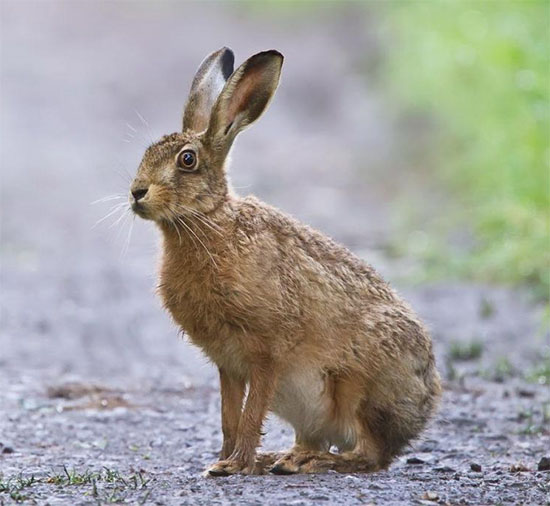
column 309, row 462
column 262, row 464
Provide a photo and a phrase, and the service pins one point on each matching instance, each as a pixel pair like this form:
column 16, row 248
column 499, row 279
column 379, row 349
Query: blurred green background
column 469, row 81
column 481, row 71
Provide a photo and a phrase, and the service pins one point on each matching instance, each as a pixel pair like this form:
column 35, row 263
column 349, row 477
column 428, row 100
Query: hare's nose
column 139, row 193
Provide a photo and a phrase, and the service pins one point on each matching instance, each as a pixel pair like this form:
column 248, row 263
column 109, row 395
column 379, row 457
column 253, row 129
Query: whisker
column 197, row 226
column 180, row 221
column 119, row 218
column 176, row 229
column 144, row 121
column 198, row 239
column 107, row 199
column 113, row 210
column 127, row 243
column 209, row 223
column 203, row 219
column 124, row 217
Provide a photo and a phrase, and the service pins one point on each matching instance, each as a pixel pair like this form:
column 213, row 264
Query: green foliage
column 463, row 351
column 14, row 485
column 482, row 71
column 105, row 486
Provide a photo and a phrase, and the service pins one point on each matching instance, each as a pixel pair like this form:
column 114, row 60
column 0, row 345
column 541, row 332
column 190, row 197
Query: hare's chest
column 207, row 312
column 193, row 303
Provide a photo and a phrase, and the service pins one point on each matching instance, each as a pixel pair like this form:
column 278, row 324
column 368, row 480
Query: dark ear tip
column 264, row 56
column 227, row 52
column 273, row 53
column 227, row 60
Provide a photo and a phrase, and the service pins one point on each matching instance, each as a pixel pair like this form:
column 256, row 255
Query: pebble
column 430, row 496
column 544, row 464
column 518, row 468
column 475, row 467
column 444, row 469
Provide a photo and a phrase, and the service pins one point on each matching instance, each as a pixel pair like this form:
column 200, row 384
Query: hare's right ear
column 207, row 85
column 244, row 98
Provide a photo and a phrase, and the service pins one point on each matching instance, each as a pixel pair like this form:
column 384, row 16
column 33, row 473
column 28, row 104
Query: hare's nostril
column 140, row 193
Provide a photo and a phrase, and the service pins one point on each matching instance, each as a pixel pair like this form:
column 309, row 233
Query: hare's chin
column 141, row 211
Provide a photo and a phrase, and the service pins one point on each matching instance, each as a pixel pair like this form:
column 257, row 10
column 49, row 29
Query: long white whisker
column 197, row 225
column 113, row 210
column 125, row 216
column 198, row 239
column 107, row 199
column 119, row 219
column 180, row 221
column 177, row 230
column 127, row 243
column 203, row 219
column 142, row 119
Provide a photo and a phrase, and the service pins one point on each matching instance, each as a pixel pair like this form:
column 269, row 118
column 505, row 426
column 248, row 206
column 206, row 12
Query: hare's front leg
column 260, row 393
column 232, row 394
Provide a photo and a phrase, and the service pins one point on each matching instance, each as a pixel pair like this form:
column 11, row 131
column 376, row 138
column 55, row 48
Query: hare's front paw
column 230, row 466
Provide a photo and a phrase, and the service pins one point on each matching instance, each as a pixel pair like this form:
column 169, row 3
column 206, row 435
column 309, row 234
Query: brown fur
column 315, row 333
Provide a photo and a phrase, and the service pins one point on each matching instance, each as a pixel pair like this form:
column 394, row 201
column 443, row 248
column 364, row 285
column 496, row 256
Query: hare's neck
column 197, row 239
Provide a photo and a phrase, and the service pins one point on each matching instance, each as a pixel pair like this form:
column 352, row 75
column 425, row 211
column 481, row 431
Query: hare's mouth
column 141, row 210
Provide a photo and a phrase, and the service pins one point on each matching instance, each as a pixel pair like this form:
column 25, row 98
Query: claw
column 281, row 469
column 217, row 471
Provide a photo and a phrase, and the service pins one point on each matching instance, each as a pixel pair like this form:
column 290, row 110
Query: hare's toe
column 264, row 461
column 292, row 463
column 322, row 462
column 229, row 467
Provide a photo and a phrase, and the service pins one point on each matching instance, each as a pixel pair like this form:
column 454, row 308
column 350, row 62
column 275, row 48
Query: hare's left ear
column 207, row 85
column 244, row 97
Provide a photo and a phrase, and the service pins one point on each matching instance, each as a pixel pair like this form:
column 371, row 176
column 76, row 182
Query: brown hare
column 314, row 332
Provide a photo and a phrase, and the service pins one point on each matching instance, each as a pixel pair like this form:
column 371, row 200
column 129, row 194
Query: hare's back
column 297, row 250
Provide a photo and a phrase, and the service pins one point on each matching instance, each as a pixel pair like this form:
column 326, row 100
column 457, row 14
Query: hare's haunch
column 319, row 338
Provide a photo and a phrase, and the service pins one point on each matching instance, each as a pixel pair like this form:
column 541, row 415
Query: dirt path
column 93, row 376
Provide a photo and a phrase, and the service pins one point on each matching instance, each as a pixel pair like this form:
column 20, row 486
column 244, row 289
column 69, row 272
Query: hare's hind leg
column 290, row 461
column 343, row 427
column 364, row 458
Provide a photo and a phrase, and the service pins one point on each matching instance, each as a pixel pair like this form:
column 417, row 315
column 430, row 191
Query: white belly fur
column 302, row 401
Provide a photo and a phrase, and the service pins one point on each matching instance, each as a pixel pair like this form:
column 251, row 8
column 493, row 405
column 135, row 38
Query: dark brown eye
column 187, row 160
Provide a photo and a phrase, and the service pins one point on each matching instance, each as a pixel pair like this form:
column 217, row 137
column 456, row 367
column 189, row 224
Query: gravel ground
column 101, row 400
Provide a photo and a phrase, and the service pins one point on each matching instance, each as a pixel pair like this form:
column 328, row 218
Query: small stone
column 7, row 449
column 350, row 477
column 544, row 464
column 444, row 469
column 476, row 468
column 518, row 468
column 415, row 461
column 430, row 496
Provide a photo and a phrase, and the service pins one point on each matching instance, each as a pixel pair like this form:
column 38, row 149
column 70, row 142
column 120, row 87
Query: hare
column 308, row 330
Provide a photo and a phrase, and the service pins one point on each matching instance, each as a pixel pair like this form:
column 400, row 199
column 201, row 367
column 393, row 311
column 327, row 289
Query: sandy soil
column 101, row 401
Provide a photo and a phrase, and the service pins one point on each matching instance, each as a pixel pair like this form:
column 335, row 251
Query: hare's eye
column 187, row 160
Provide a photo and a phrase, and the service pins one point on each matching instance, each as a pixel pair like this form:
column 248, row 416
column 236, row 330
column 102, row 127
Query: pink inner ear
column 243, row 93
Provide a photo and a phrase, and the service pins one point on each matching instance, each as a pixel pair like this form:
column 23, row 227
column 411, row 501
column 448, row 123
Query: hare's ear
column 244, row 97
column 207, row 85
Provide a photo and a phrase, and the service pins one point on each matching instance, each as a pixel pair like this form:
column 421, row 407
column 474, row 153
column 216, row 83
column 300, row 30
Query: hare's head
column 184, row 172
